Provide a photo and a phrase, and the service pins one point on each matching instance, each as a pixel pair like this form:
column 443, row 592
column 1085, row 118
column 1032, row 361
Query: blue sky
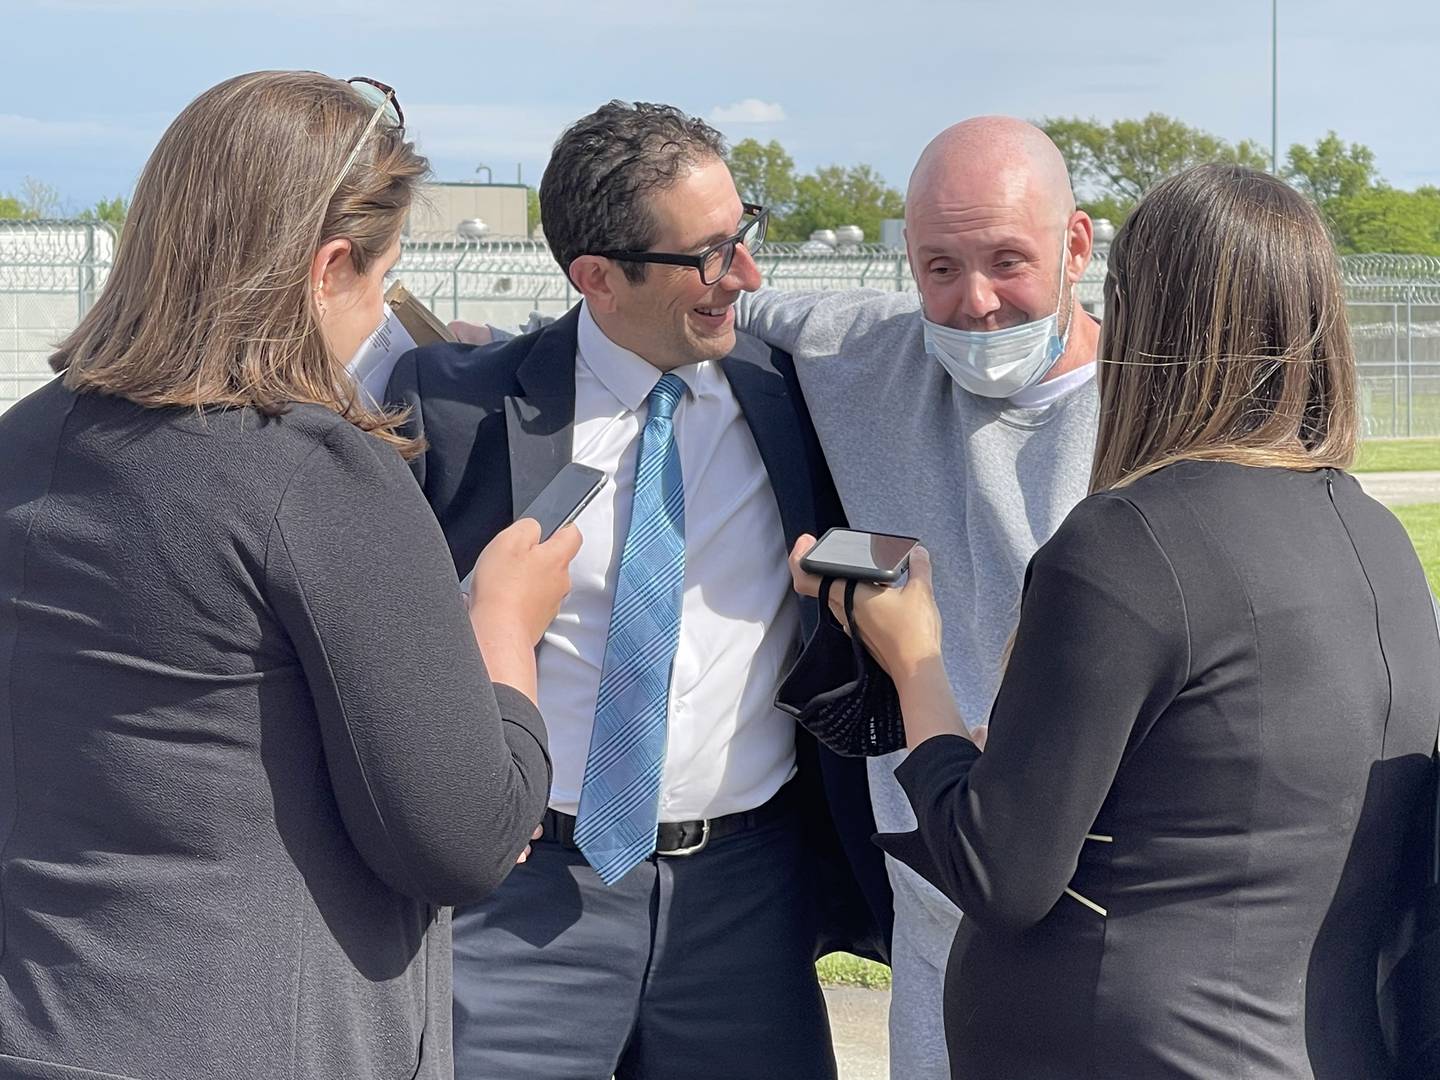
column 87, row 86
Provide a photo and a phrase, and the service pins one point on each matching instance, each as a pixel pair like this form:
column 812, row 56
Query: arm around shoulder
column 775, row 317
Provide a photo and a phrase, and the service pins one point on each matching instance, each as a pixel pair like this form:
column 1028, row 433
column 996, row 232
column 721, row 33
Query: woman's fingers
column 565, row 543
column 920, row 569
column 806, row 583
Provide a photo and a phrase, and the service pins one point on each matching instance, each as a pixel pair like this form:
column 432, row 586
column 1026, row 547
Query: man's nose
column 977, row 297
column 744, row 273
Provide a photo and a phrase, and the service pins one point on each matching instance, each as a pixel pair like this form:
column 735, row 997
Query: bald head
column 992, row 161
column 991, row 227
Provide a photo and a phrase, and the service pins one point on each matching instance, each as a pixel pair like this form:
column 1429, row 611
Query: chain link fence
column 50, row 273
column 1394, row 305
column 503, row 282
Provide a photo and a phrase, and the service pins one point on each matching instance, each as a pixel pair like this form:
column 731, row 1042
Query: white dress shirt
column 728, row 748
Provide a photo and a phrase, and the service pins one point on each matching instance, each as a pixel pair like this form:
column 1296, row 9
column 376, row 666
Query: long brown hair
column 209, row 301
column 1225, row 336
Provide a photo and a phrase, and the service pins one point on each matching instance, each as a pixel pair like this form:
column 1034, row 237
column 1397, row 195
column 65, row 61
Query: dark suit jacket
column 499, row 421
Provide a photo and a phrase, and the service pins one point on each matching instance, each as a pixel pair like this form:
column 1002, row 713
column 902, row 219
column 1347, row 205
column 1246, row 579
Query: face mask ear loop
column 826, row 615
column 855, row 646
column 1065, row 288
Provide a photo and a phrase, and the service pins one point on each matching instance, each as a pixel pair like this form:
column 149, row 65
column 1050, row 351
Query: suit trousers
column 688, row 968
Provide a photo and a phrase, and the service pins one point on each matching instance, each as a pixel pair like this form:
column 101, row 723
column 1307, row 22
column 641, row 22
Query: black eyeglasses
column 385, row 102
column 714, row 262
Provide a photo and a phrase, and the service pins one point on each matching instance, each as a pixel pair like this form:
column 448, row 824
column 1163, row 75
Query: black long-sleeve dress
column 247, row 749
column 1178, row 852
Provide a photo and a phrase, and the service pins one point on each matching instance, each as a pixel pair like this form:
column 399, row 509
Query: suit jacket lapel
column 540, row 420
column 764, row 399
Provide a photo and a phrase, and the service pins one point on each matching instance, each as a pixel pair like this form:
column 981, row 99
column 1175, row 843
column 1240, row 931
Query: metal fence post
column 1409, row 362
column 1395, row 368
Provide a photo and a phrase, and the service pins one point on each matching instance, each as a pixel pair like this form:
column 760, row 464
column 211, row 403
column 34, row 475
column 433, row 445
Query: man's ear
column 1080, row 244
column 596, row 277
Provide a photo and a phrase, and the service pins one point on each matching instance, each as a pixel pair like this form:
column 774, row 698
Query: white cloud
column 17, row 132
column 750, row 111
column 495, row 134
column 449, row 15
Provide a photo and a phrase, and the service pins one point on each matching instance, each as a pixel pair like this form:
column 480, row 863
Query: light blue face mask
column 999, row 363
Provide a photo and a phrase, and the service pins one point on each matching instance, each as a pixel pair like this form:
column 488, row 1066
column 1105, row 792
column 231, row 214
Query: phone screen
column 878, row 555
column 564, row 497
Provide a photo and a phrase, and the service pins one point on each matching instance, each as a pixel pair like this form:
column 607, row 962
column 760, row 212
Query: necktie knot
column 665, row 395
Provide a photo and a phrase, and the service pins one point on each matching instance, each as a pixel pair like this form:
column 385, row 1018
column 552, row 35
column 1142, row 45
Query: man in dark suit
column 698, row 852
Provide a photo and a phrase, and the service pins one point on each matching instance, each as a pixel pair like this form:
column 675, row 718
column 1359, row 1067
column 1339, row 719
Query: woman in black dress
column 249, row 748
column 1176, row 854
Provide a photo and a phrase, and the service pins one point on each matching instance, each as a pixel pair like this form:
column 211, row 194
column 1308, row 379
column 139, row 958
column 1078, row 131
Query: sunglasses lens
column 378, row 98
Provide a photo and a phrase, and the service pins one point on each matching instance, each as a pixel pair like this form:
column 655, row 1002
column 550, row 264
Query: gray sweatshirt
column 981, row 483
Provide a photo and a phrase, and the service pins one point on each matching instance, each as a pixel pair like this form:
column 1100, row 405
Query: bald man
column 964, row 416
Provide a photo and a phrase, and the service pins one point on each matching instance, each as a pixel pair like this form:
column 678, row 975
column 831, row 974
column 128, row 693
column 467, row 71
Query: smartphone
column 564, row 497
column 865, row 556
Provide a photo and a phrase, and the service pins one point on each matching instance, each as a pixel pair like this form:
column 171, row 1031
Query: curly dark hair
column 595, row 194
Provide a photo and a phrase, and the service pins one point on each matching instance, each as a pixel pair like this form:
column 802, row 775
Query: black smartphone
column 564, row 497
column 865, row 556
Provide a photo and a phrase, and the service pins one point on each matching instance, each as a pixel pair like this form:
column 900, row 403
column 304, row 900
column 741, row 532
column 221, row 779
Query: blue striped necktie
column 620, row 795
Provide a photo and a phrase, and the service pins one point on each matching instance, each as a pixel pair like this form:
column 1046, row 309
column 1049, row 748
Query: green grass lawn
column 1423, row 524
column 842, row 969
column 1398, row 455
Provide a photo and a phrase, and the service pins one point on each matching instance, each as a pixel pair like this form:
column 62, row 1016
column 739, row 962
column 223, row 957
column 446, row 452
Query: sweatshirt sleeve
column 1102, row 649
column 776, row 318
column 440, row 775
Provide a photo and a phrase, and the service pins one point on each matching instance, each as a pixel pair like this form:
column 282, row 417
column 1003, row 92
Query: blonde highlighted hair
column 1225, row 336
column 209, row 301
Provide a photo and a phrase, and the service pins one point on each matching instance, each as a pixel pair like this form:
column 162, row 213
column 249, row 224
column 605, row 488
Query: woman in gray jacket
column 249, row 748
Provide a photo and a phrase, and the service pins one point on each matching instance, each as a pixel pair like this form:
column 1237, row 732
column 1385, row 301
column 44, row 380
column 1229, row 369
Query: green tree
column 1382, row 219
column 841, row 195
column 1342, row 182
column 110, row 211
column 1332, row 170
column 10, row 207
column 1113, row 165
column 38, row 199
column 764, row 173
column 532, row 210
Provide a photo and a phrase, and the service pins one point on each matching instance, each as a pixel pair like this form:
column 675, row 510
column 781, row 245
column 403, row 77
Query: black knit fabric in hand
column 839, row 693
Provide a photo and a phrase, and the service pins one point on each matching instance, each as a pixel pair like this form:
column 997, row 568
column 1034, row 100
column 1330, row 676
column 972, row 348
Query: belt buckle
column 693, row 848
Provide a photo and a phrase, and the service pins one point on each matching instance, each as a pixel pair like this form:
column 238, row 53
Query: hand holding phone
column 558, row 505
column 564, row 497
column 881, row 558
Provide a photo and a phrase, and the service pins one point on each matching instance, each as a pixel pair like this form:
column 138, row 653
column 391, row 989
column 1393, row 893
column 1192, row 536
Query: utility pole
column 1275, row 87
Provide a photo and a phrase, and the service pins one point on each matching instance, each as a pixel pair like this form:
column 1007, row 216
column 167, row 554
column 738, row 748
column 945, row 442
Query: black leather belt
column 679, row 838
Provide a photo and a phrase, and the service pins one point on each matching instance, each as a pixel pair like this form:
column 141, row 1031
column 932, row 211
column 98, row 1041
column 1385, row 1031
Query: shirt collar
column 1043, row 393
column 627, row 375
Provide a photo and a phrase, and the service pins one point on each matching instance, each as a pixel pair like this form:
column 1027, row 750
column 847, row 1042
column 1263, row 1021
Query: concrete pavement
column 1401, row 488
column 860, row 1027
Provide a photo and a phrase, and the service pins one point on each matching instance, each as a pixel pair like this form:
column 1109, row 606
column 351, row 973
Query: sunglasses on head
column 387, row 106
